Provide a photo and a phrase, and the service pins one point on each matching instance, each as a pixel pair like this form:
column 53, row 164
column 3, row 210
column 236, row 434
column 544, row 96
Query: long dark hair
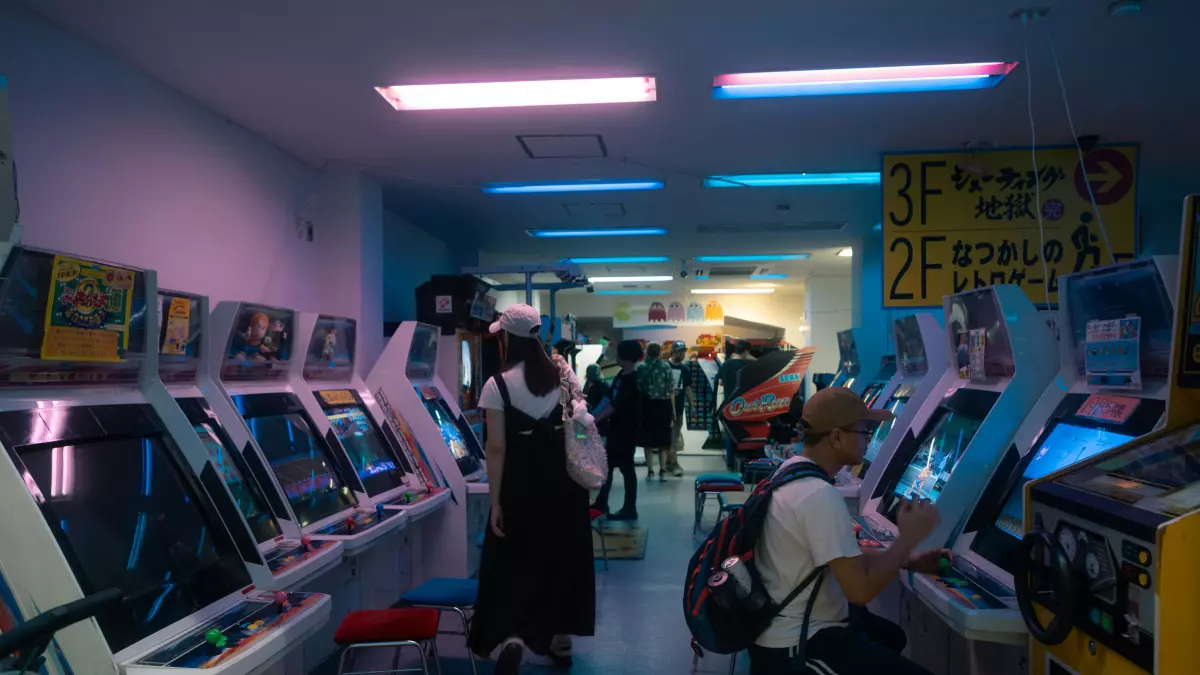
column 541, row 375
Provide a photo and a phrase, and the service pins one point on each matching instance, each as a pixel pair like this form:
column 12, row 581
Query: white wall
column 411, row 256
column 828, row 309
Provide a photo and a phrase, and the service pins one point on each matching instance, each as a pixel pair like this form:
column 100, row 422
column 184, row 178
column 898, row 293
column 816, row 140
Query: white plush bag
column 587, row 462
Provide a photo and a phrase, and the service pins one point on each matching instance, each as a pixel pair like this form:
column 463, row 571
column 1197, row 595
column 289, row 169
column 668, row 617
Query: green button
column 943, row 565
column 1106, row 622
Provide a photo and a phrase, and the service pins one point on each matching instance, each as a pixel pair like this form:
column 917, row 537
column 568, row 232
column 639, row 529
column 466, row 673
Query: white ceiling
column 301, row 73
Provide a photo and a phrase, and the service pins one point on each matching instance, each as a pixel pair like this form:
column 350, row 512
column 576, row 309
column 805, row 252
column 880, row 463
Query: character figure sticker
column 175, row 337
column 87, row 311
column 1112, row 353
column 263, row 334
column 672, row 313
column 332, row 342
column 971, row 352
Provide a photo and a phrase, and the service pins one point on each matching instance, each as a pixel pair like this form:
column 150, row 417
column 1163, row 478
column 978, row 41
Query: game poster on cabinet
column 87, row 311
column 954, row 221
column 175, row 338
column 1112, row 358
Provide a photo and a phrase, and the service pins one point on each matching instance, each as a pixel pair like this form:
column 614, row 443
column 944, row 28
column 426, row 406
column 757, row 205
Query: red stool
column 399, row 628
column 597, row 518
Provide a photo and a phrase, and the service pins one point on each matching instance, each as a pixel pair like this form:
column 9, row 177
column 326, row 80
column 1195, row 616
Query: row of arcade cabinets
column 1106, row 572
column 229, row 474
column 1007, row 405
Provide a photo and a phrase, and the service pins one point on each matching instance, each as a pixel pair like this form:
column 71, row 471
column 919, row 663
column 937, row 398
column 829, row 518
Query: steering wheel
column 1065, row 588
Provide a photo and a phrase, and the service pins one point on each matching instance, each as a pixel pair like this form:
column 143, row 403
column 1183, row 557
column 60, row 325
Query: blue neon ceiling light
column 768, row 276
column 874, row 80
column 792, row 179
column 614, row 232
column 752, row 258
column 587, row 185
column 635, row 291
column 617, row 260
column 957, row 83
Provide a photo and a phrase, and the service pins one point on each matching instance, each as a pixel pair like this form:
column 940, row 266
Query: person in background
column 728, row 377
column 806, row 527
column 657, row 384
column 683, row 394
column 623, row 411
column 534, row 590
column 595, row 390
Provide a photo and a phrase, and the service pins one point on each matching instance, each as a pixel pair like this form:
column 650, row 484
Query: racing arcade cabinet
column 95, row 494
column 976, row 412
column 1106, row 573
column 766, row 387
column 859, row 360
column 310, row 481
column 1094, row 405
column 916, row 336
column 182, row 366
column 406, row 374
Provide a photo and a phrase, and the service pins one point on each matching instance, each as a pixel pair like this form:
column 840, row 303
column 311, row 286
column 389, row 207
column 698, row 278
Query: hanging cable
column 1037, row 177
column 1062, row 85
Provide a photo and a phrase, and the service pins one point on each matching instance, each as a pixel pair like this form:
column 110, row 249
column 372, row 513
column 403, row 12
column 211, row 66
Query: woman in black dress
column 537, row 583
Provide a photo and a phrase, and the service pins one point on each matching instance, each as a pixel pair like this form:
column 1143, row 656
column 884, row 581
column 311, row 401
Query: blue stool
column 712, row 485
column 443, row 594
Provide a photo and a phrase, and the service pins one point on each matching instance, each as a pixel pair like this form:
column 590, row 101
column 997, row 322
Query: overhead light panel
column 619, row 260
column 615, row 232
column 792, row 179
column 768, row 276
column 732, row 291
column 629, row 280
column 846, row 253
column 887, row 79
column 752, row 258
column 518, row 94
column 587, row 185
column 634, row 291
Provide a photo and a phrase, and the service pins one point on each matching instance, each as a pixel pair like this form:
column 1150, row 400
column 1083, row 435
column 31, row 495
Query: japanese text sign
column 87, row 311
column 953, row 221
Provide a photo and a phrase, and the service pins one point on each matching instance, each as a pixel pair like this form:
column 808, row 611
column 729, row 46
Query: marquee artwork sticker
column 87, row 311
column 660, row 314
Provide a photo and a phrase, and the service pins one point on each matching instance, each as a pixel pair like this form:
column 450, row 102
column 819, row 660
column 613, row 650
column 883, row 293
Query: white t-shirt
column 807, row 525
column 522, row 399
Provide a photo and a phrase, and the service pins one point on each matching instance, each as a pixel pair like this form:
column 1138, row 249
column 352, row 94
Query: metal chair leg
column 732, row 662
column 466, row 624
column 437, row 657
column 424, row 663
column 342, row 661
column 603, row 545
column 396, row 660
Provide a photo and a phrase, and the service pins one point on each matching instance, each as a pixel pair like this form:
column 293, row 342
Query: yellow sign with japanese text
column 953, row 221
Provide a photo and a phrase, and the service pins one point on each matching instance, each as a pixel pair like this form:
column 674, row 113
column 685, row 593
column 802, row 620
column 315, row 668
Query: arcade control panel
column 291, row 553
column 361, row 521
column 411, row 498
column 971, row 587
column 232, row 633
column 870, row 535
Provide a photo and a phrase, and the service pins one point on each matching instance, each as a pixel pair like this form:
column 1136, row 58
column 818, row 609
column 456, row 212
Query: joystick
column 281, row 601
column 306, row 543
column 379, row 511
column 857, row 529
column 216, row 638
column 944, row 566
column 349, row 523
column 408, row 497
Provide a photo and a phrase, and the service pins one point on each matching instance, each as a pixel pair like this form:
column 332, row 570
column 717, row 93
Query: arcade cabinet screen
column 126, row 518
column 842, row 379
column 245, row 491
column 302, row 465
column 872, row 393
column 452, row 435
column 422, row 353
column 1159, row 476
column 881, row 431
column 937, row 456
column 364, row 443
column 1139, row 291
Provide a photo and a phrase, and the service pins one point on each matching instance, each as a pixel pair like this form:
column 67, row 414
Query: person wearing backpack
column 537, row 583
column 807, row 528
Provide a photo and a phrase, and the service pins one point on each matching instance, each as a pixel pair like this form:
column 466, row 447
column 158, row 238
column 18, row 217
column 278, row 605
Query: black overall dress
column 539, row 580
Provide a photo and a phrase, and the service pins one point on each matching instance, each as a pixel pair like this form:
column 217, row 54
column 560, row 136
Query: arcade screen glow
column 895, row 405
column 302, row 465
column 1067, row 444
column 374, row 463
column 937, row 456
column 871, row 393
column 249, row 498
column 127, row 520
column 450, row 432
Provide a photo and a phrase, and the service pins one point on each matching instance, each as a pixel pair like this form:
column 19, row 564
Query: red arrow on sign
column 1110, row 174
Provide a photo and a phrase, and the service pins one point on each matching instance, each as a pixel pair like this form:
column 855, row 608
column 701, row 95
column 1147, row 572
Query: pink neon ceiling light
column 517, row 94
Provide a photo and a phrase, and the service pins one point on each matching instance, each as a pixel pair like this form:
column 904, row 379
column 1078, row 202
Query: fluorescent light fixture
column 517, row 94
column 732, row 291
column 619, row 260
column 752, row 258
column 701, row 278
column 846, row 253
column 768, row 276
column 883, row 80
column 628, row 280
column 634, row 291
column 616, row 232
column 586, row 185
column 792, row 179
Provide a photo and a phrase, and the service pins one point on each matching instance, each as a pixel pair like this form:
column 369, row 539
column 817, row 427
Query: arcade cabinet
column 1105, row 575
column 880, row 389
column 917, row 376
column 860, row 359
column 103, row 484
column 182, row 367
column 766, row 388
column 406, row 374
column 1094, row 405
column 310, row 483
column 972, row 416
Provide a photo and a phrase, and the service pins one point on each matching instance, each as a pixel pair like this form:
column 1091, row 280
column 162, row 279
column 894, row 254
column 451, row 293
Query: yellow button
column 1143, row 557
column 1143, row 579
